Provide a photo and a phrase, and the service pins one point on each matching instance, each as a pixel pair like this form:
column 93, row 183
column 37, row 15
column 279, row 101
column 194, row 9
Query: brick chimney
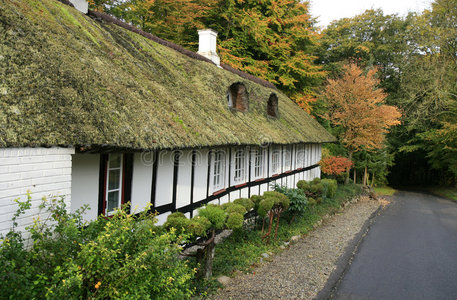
column 80, row 5
column 207, row 45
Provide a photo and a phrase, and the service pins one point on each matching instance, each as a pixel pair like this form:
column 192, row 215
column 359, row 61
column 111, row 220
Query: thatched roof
column 70, row 79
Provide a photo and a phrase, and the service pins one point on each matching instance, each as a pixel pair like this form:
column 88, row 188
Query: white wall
column 43, row 171
column 85, row 179
column 164, row 188
column 184, row 179
column 141, row 181
column 201, row 174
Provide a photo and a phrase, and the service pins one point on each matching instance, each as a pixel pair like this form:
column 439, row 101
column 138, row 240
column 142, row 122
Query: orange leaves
column 335, row 165
column 356, row 104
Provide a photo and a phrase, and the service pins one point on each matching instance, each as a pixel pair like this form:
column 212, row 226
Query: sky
column 329, row 10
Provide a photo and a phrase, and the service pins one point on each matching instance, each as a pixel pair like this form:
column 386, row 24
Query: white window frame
column 118, row 189
column 276, row 160
column 258, row 163
column 218, row 170
column 287, row 158
column 239, row 166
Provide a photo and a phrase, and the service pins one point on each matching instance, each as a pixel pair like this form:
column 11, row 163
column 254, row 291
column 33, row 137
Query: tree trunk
column 277, row 224
column 365, row 178
column 372, row 180
column 349, row 169
column 355, row 176
column 209, row 257
column 209, row 260
column 267, row 235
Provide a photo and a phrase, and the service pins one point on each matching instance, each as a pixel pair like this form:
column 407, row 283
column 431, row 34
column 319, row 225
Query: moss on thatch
column 68, row 79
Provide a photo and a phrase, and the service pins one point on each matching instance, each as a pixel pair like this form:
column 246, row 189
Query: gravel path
column 302, row 270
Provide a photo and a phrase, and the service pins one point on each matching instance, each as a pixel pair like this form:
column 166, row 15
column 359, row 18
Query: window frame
column 221, row 170
column 276, row 166
column 255, row 154
column 121, row 185
column 239, row 155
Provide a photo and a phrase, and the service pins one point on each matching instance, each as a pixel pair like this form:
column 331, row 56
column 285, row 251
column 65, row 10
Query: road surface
column 409, row 253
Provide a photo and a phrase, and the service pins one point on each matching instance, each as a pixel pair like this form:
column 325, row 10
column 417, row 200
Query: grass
column 242, row 250
column 447, row 192
column 384, row 191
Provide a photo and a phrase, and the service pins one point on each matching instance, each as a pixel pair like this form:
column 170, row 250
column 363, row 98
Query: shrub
column 297, row 200
column 194, row 227
column 115, row 257
column 234, row 208
column 330, row 186
column 256, row 199
column 235, row 221
column 214, row 214
column 317, row 190
column 247, row 203
column 273, row 204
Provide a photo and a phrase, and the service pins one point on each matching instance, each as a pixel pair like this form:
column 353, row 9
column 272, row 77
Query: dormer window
column 237, row 97
column 272, row 106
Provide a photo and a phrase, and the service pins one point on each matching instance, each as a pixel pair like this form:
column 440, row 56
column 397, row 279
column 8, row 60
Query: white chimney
column 207, row 45
column 81, row 5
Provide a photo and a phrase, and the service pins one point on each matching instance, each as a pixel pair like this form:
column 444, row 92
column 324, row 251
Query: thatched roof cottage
column 103, row 113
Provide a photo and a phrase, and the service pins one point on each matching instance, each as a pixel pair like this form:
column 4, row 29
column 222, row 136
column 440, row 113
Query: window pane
column 113, row 201
column 114, row 178
column 218, row 170
column 114, row 160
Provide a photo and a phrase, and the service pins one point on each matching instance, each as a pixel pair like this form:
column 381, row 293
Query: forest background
column 408, row 63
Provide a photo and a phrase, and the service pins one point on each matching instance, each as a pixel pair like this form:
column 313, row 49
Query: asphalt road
column 410, row 252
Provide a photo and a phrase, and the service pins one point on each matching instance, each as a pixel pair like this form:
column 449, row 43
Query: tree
column 173, row 20
column 334, row 165
column 274, row 40
column 429, row 96
column 371, row 39
column 355, row 105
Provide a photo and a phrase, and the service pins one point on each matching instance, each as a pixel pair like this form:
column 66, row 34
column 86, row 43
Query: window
column 287, row 158
column 114, row 178
column 258, row 159
column 272, row 106
column 276, row 160
column 239, row 166
column 218, row 170
column 237, row 97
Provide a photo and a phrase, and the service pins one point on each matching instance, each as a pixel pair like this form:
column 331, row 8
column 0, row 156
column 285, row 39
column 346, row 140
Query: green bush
column 214, row 214
column 297, row 200
column 256, row 199
column 194, row 227
column 265, row 205
column 318, row 189
column 234, row 208
column 330, row 186
column 235, row 221
column 247, row 203
column 117, row 257
column 278, row 199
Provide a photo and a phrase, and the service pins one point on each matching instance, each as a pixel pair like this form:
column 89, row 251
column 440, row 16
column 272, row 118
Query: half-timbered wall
column 185, row 180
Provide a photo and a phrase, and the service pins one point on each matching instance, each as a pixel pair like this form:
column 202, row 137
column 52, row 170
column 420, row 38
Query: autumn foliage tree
column 356, row 106
column 335, row 165
column 273, row 40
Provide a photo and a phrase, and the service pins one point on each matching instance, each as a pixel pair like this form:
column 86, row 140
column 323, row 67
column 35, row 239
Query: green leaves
column 117, row 257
